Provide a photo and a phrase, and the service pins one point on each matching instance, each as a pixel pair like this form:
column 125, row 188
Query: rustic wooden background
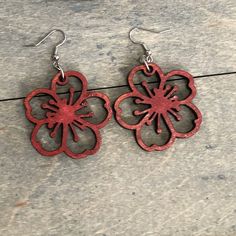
column 188, row 189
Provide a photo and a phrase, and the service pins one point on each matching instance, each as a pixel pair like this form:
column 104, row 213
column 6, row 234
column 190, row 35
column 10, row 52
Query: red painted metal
column 162, row 101
column 64, row 113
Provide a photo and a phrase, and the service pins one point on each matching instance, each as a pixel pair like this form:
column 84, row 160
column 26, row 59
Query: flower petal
column 186, row 122
column 143, row 89
column 82, row 141
column 39, row 143
column 156, row 137
column 155, row 70
column 138, row 116
column 36, row 94
column 184, row 88
column 70, row 86
column 99, row 114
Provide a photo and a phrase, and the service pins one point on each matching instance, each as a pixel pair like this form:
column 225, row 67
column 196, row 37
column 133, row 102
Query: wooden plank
column 187, row 190
column 201, row 40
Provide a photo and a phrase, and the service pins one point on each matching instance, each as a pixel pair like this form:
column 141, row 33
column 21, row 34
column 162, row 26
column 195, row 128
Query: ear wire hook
column 147, row 57
column 55, row 56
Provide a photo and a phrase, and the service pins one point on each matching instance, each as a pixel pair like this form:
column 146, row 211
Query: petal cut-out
column 163, row 126
column 106, row 107
column 120, row 119
column 194, row 120
column 37, row 144
column 35, row 94
column 88, row 151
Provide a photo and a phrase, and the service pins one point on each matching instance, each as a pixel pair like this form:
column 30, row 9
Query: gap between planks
column 125, row 85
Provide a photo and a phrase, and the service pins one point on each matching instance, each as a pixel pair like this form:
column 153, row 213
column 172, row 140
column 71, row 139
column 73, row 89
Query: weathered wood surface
column 201, row 40
column 186, row 190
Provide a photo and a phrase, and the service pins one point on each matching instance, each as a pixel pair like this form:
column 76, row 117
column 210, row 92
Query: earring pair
column 67, row 117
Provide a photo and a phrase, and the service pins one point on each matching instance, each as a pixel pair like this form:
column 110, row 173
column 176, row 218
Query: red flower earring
column 65, row 116
column 163, row 104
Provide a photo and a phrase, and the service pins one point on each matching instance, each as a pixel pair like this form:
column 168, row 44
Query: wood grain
column 187, row 190
column 201, row 40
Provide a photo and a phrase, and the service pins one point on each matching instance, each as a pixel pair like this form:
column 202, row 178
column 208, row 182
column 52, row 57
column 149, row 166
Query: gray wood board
column 201, row 40
column 188, row 189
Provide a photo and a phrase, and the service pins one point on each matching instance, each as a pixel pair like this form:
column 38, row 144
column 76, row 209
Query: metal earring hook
column 55, row 56
column 147, row 58
column 143, row 29
column 135, row 41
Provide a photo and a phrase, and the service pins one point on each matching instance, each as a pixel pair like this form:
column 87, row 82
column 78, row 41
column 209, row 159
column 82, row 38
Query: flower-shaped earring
column 65, row 117
column 163, row 105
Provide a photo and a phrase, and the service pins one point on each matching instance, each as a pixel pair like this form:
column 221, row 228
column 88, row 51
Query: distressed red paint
column 162, row 101
column 64, row 112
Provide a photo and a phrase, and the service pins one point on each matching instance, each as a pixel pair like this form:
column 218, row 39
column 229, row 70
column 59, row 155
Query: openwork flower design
column 163, row 105
column 64, row 114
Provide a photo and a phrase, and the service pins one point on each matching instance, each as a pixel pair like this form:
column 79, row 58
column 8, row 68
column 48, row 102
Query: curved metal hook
column 135, row 41
column 140, row 42
column 47, row 36
column 55, row 57
column 147, row 57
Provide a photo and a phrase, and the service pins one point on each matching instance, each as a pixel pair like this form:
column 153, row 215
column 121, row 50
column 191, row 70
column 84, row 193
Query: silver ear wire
column 147, row 57
column 55, row 56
